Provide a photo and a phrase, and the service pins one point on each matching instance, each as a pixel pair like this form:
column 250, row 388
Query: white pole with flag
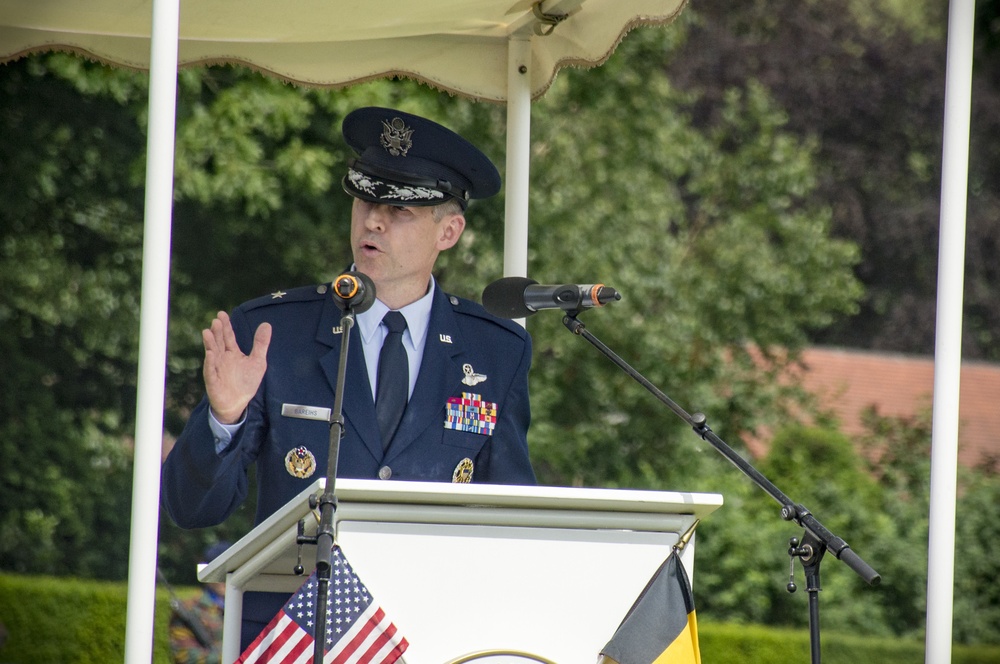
column 153, row 315
column 948, row 335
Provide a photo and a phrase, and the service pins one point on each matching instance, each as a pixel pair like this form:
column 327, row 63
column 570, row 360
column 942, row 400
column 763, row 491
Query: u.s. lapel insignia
column 338, row 329
column 300, row 463
column 463, row 472
column 471, row 377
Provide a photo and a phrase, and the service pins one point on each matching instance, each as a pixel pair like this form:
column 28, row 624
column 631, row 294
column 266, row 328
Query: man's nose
column 377, row 217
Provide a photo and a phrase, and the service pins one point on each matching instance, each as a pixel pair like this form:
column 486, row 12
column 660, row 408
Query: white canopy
column 459, row 46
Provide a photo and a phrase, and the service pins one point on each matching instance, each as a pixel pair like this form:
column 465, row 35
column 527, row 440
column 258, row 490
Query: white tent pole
column 515, row 248
column 948, row 335
column 152, row 331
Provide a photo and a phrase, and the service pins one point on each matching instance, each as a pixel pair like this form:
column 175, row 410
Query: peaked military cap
column 403, row 159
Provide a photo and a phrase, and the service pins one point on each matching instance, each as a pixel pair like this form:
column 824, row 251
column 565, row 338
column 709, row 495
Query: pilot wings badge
column 471, row 377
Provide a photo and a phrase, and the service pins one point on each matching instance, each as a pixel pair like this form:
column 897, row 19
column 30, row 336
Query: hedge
column 53, row 620
column 742, row 644
column 70, row 621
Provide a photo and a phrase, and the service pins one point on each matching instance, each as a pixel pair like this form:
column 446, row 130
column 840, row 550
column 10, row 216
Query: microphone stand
column 816, row 540
column 327, row 501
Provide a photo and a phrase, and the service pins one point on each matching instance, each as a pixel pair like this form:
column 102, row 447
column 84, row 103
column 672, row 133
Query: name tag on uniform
column 305, row 412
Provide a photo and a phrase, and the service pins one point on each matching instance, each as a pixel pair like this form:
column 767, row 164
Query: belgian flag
column 660, row 628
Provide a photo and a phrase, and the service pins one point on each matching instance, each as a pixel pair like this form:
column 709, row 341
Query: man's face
column 397, row 246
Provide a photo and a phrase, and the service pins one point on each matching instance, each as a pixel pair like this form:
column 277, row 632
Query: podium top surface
column 530, row 497
column 439, row 502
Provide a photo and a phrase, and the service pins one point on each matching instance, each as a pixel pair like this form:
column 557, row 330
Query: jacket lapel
column 358, row 405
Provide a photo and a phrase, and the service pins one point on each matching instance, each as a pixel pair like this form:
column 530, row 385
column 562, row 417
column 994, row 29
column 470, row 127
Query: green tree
column 70, row 240
column 897, row 450
column 866, row 82
column 819, row 469
column 873, row 491
column 977, row 598
column 898, row 453
column 877, row 500
column 711, row 236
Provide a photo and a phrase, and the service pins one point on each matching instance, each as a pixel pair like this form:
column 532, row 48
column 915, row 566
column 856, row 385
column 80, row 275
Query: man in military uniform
column 270, row 368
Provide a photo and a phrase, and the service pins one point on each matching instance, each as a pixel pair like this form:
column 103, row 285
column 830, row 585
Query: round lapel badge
column 300, row 463
column 463, row 472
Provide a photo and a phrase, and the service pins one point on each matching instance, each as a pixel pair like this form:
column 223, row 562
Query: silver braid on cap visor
column 407, row 180
column 388, row 191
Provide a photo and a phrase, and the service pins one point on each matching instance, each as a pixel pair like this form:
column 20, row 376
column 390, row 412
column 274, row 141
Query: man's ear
column 451, row 228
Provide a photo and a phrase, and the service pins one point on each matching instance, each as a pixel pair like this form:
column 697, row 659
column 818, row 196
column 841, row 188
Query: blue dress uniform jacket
column 202, row 488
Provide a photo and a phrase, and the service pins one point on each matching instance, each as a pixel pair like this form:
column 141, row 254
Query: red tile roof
column 849, row 381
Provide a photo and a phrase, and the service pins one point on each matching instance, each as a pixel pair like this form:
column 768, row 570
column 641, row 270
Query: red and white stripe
column 372, row 639
column 283, row 642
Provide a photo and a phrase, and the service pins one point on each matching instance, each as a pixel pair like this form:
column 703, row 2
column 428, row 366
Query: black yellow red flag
column 661, row 627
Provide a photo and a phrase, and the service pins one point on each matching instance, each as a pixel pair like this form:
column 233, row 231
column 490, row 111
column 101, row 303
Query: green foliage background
column 741, row 220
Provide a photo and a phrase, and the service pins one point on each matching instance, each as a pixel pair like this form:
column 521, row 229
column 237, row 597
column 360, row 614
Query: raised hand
column 232, row 378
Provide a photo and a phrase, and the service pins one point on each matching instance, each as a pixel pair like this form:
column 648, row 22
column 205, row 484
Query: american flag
column 357, row 629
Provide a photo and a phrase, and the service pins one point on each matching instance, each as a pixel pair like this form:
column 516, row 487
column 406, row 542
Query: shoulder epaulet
column 468, row 307
column 300, row 294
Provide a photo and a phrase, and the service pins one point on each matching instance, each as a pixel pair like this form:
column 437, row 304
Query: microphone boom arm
column 790, row 511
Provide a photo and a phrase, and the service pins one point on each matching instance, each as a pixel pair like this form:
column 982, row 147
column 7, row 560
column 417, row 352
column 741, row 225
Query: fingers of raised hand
column 261, row 341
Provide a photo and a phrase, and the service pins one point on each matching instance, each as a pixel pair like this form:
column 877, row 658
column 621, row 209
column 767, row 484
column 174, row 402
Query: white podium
column 461, row 568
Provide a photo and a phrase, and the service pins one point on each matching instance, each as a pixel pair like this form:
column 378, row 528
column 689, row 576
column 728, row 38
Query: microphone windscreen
column 355, row 291
column 504, row 298
column 368, row 298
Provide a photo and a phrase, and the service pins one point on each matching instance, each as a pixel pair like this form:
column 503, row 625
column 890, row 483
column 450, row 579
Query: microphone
column 354, row 291
column 520, row 297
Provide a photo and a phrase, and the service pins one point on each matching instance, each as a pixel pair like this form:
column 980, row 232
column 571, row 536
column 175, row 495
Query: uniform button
column 321, row 289
column 453, row 300
column 384, row 473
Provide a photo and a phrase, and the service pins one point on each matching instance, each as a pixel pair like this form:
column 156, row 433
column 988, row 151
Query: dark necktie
column 393, row 384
